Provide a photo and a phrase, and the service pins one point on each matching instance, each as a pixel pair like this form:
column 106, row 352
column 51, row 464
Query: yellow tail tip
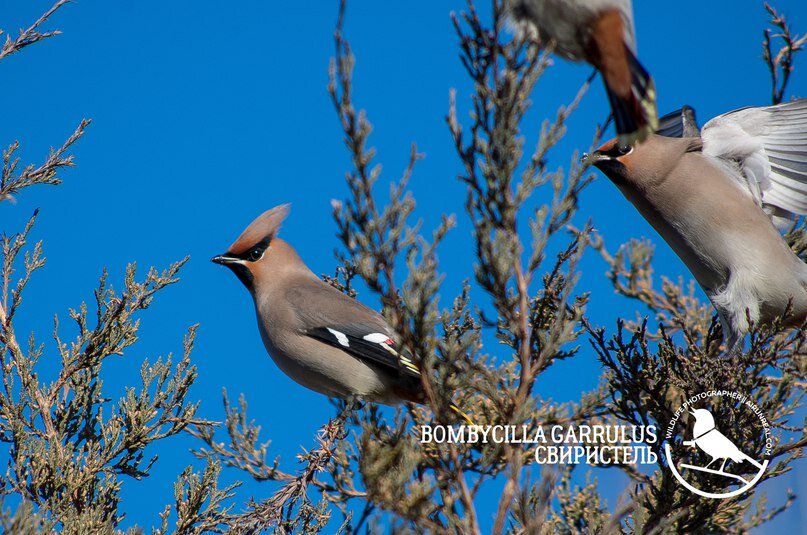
column 462, row 415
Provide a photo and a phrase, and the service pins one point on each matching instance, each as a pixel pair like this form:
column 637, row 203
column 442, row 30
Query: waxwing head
column 251, row 254
column 643, row 163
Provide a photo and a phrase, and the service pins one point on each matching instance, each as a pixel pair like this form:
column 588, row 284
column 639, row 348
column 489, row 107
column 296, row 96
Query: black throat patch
column 243, row 273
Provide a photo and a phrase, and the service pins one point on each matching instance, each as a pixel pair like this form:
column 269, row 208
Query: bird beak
column 224, row 259
column 604, row 162
column 593, row 158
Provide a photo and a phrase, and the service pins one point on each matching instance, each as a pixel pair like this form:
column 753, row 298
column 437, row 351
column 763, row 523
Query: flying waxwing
column 711, row 197
column 318, row 336
column 601, row 33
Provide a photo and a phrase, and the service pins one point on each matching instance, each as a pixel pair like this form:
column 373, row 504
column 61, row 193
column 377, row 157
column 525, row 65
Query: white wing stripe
column 340, row 337
column 377, row 338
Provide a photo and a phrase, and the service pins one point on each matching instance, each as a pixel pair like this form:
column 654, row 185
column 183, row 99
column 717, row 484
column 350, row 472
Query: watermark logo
column 727, row 462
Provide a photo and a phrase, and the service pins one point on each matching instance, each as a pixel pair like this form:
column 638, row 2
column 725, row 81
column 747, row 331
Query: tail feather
column 462, row 415
column 415, row 394
column 635, row 114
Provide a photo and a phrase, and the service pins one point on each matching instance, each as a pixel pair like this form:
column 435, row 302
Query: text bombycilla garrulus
column 318, row 336
column 711, row 197
column 601, row 33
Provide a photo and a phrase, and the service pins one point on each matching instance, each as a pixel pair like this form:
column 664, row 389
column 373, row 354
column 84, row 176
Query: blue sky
column 206, row 115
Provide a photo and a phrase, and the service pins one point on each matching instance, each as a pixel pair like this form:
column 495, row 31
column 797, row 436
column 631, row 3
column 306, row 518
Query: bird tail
column 462, row 415
column 635, row 114
column 418, row 396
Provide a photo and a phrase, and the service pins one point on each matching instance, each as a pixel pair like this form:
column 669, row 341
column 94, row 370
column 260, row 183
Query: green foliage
column 71, row 446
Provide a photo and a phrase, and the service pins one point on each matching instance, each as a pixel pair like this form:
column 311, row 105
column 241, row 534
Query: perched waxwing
column 712, row 196
column 601, row 33
column 317, row 335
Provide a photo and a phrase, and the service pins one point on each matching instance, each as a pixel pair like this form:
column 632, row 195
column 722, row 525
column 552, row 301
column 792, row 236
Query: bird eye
column 617, row 150
column 255, row 254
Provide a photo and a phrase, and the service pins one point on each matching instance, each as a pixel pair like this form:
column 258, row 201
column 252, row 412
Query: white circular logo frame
column 671, row 464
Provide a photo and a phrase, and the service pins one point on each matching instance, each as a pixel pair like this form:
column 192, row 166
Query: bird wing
column 680, row 123
column 367, row 344
column 769, row 147
column 342, row 322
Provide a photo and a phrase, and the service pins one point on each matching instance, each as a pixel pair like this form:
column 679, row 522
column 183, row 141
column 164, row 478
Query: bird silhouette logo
column 708, row 438
column 728, row 464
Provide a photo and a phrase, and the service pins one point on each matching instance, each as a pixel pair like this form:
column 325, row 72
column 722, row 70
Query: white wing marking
column 340, row 337
column 377, row 338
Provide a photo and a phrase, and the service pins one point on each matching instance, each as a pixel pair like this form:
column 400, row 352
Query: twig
column 782, row 61
column 31, row 35
column 43, row 174
column 271, row 512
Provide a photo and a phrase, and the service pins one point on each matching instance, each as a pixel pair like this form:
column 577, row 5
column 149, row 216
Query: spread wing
column 769, row 146
column 680, row 123
column 344, row 323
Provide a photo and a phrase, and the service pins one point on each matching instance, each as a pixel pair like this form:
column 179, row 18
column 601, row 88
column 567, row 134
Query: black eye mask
column 618, row 150
column 255, row 253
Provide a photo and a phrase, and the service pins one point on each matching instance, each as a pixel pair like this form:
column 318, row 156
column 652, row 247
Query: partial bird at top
column 713, row 195
column 601, row 33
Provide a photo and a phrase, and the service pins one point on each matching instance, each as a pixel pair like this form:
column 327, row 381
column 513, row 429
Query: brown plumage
column 265, row 225
column 601, row 33
column 318, row 336
column 710, row 198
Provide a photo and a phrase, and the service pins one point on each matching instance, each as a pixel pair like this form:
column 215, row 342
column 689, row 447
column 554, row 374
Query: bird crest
column 264, row 227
